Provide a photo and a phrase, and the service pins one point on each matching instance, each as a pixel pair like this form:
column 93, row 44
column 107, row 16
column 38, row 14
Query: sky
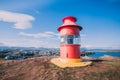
column 34, row 23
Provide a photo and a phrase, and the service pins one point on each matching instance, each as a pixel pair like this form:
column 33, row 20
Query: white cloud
column 40, row 35
column 82, row 35
column 32, row 42
column 22, row 42
column 87, row 46
column 21, row 21
column 45, row 39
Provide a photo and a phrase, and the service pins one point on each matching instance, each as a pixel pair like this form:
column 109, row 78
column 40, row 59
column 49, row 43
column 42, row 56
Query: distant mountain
column 28, row 48
column 4, row 47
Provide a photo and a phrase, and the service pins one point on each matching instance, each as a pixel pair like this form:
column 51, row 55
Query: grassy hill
column 40, row 68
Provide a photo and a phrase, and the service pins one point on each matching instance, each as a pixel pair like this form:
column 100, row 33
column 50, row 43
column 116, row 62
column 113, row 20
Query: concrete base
column 69, row 62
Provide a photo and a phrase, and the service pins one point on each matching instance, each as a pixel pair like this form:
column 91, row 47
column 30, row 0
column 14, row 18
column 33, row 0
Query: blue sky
column 31, row 23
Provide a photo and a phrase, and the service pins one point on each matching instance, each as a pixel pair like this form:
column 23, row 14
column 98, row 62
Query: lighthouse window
column 70, row 39
column 63, row 40
column 77, row 40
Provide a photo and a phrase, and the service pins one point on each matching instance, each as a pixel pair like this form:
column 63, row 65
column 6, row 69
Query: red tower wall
column 70, row 51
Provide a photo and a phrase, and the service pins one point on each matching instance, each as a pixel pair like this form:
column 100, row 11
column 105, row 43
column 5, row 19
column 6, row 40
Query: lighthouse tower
column 69, row 44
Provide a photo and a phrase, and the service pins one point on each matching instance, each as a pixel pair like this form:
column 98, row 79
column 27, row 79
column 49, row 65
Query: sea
column 100, row 54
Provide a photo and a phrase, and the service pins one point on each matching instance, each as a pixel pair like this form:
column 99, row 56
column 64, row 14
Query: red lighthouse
column 69, row 44
column 69, row 35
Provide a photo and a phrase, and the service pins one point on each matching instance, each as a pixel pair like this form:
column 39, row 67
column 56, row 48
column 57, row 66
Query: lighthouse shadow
column 93, row 61
column 97, row 60
column 86, row 58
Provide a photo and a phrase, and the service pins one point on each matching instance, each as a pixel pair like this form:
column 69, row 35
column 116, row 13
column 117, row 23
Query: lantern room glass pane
column 62, row 40
column 77, row 40
column 70, row 39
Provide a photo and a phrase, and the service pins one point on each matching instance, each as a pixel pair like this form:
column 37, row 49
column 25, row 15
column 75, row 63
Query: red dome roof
column 69, row 18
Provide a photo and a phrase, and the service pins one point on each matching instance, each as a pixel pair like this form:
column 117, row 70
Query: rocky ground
column 40, row 68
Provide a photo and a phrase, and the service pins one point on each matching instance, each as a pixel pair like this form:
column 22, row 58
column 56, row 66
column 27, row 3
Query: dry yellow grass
column 40, row 68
